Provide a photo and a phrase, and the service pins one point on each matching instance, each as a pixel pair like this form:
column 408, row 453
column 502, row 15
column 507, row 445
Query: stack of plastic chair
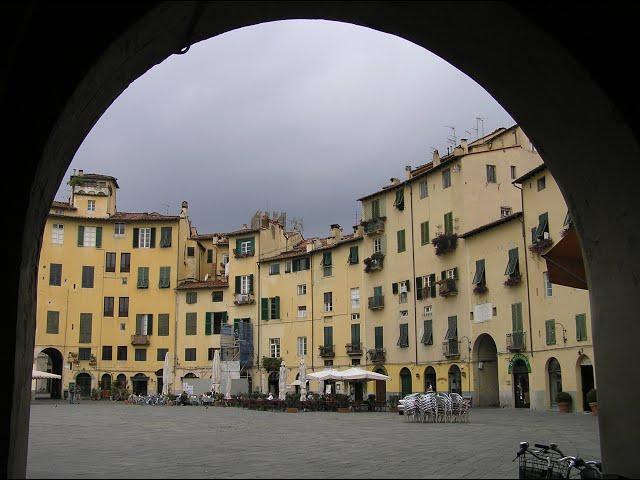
column 410, row 408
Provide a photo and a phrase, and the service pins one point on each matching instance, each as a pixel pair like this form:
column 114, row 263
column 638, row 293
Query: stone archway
column 585, row 382
column 406, row 384
column 545, row 100
column 486, row 391
column 54, row 364
column 554, row 380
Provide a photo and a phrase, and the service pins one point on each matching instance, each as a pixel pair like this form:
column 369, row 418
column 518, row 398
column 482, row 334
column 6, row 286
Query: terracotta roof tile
column 495, row 223
column 62, row 205
column 202, row 284
column 147, row 216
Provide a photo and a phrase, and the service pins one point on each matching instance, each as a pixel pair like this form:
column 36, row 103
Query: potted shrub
column 564, row 401
column 592, row 400
column 480, row 288
column 343, row 403
column 444, row 242
column 291, row 401
column 541, row 246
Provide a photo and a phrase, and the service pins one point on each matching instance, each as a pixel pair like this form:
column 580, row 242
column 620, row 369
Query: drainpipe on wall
column 175, row 317
column 413, row 276
column 312, row 326
column 526, row 268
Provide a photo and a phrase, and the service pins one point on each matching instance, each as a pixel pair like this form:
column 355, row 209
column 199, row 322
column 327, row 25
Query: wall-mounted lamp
column 417, row 374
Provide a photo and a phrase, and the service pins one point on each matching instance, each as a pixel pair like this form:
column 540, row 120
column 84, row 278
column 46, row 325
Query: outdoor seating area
column 436, row 408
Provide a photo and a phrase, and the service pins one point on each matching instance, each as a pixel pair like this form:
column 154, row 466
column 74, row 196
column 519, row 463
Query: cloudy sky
column 296, row 116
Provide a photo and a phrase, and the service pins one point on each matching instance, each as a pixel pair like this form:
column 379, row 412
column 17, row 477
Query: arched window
column 455, row 380
column 405, row 382
column 83, row 382
column 430, row 380
column 105, row 382
column 555, row 380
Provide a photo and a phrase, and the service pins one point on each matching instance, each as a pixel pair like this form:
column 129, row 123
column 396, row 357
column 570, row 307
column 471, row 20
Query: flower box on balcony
column 447, row 287
column 377, row 355
column 374, row 262
column 480, row 289
column 327, row 351
column 445, row 242
column 354, row 349
column 238, row 254
column 513, row 280
column 541, row 246
column 374, row 225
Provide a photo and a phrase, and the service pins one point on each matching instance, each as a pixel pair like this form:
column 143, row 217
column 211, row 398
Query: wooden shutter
column 80, row 236
column 152, row 243
column 85, row 328
column 424, row 233
column 139, row 321
column 238, row 280
column 452, row 330
column 328, row 336
column 98, row 237
column 516, row 317
column 432, row 285
column 136, row 234
column 252, row 247
column 448, row 223
column 400, row 241
column 394, row 288
column 165, row 236
column 207, row 323
column 264, row 308
column 427, row 336
column 581, row 327
column 355, row 334
column 383, row 244
column 513, row 262
column 251, row 283
column 276, row 302
column 419, row 292
column 379, row 337
column 163, row 324
column 150, row 324
column 550, row 327
column 479, row 275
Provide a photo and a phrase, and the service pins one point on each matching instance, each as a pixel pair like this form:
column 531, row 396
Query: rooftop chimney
column 436, row 157
column 407, row 171
column 336, row 231
column 463, row 144
column 184, row 211
column 394, row 180
column 80, row 172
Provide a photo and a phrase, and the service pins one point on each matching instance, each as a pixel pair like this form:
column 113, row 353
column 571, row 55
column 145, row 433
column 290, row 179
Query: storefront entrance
column 521, row 384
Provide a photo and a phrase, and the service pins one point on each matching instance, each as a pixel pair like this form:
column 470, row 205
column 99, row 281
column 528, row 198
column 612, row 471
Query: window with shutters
column 190, row 354
column 245, row 284
column 452, row 328
column 144, row 238
column 274, row 347
column 165, row 237
column 192, row 297
column 491, row 174
column 110, row 262
column 87, row 276
column 85, row 328
column 88, row 236
column 122, row 352
column 399, row 201
column 191, row 325
column 274, row 268
column 118, row 229
column 143, row 277
column 327, row 264
column 446, row 178
column 53, row 322
column 302, row 289
column 108, row 306
column 163, row 325
column 144, row 324
column 275, row 308
column 353, row 255
column 217, row 296
column 355, row 336
column 516, row 317
column 141, row 355
column 328, row 337
column 84, row 354
column 377, row 245
column 328, row 302
column 125, row 262
column 424, row 233
column 165, row 277
column 378, row 337
column 209, row 255
column 107, row 352
column 191, row 251
column 57, row 234
column 401, row 241
column 91, row 205
column 550, row 329
column 448, row 223
column 355, row 298
column 302, row 311
column 513, row 267
column 541, row 232
column 548, row 286
column 581, row 327
column 427, row 335
column 300, row 264
column 55, row 274
column 375, row 208
column 424, row 189
column 123, row 306
column 479, row 281
column 302, row 346
column 161, row 353
column 542, row 183
column 245, row 247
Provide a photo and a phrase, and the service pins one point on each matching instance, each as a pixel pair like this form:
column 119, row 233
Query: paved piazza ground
column 114, row 440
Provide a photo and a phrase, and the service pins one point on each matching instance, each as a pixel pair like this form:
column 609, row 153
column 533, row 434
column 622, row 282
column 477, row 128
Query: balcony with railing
column 447, row 287
column 377, row 355
column 516, row 341
column 243, row 298
column 374, row 225
column 139, row 339
column 327, row 351
column 376, row 302
column 374, row 263
column 354, row 349
column 242, row 254
column 451, row 348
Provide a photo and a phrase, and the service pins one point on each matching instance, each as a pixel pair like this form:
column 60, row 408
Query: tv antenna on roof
column 452, row 139
column 480, row 125
column 166, row 206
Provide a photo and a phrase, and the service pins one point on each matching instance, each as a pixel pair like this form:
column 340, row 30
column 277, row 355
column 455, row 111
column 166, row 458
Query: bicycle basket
column 541, row 465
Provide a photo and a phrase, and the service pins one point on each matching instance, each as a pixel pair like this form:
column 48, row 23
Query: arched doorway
column 554, row 377
column 121, row 379
column 455, row 380
column 430, row 380
column 274, row 383
column 140, row 382
column 381, row 386
column 405, row 382
column 105, row 383
column 586, row 380
column 83, row 382
column 520, row 372
column 54, row 365
column 159, row 381
column 485, row 365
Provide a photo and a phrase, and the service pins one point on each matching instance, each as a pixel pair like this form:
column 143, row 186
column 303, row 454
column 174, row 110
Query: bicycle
column 550, row 463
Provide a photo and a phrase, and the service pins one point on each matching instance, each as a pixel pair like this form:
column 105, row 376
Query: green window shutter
column 452, row 328
column 383, row 244
column 143, row 280
column 328, row 336
column 399, row 203
column 375, row 208
column 516, row 317
column 152, row 243
column 238, row 280
column 513, row 262
column 53, row 320
column 479, row 275
column 543, row 221
column 163, row 324
column 207, row 323
column 353, row 255
column 192, row 323
column 150, row 324
column 401, row 241
column 85, row 328
column 326, row 259
column 581, row 327
column 165, row 277
column 550, row 328
column 80, row 235
column 98, row 237
column 264, row 308
column 419, row 292
column 424, row 233
column 427, row 336
column 139, row 320
column 355, row 333
column 379, row 337
column 276, row 302
column 377, row 291
column 448, row 223
column 136, row 234
column 251, row 283
column 394, row 288
column 432, row 286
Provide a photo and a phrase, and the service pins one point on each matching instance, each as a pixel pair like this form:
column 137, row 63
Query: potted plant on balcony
column 541, row 246
column 564, row 401
column 480, row 288
column 513, row 280
column 592, row 400
column 374, row 262
column 445, row 242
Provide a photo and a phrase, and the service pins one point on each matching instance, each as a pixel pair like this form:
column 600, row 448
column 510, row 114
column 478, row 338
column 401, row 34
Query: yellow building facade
column 437, row 287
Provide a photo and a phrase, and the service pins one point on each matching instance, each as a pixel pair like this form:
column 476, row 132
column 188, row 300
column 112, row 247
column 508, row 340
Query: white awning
column 360, row 374
column 328, row 374
column 37, row 374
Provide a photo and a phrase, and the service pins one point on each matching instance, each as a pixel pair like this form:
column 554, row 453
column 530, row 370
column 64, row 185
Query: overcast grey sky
column 299, row 116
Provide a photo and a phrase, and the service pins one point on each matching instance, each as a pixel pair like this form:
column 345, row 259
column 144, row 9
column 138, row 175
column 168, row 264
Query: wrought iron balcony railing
column 516, row 341
column 376, row 302
column 139, row 339
column 354, row 348
column 377, row 355
column 374, row 226
column 327, row 351
column 447, row 287
column 451, row 348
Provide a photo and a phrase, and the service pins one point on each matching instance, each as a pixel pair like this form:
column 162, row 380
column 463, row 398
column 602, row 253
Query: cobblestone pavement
column 105, row 439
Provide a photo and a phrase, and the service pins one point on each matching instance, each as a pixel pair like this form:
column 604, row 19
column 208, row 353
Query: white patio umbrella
column 37, row 374
column 328, row 374
column 227, row 393
column 360, row 374
column 166, row 375
column 282, row 387
column 216, row 374
column 303, row 380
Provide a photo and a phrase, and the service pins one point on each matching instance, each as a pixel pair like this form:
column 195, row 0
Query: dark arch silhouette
column 547, row 67
column 57, row 362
